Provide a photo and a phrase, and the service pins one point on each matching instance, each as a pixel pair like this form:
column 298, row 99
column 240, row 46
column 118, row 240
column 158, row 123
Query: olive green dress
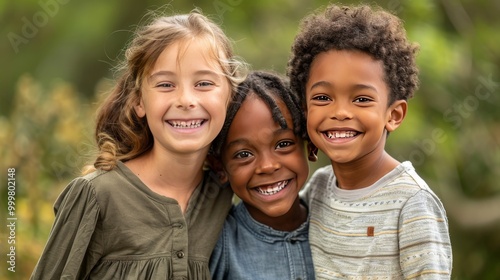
column 109, row 225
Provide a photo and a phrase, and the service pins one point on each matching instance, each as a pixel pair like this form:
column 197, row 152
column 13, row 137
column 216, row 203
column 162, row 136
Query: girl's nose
column 267, row 164
column 186, row 99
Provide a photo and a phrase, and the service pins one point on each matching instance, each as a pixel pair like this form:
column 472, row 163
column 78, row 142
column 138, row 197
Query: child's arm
column 76, row 217
column 424, row 242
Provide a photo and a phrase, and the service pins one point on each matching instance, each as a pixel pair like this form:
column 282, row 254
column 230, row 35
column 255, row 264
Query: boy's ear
column 312, row 151
column 139, row 108
column 396, row 114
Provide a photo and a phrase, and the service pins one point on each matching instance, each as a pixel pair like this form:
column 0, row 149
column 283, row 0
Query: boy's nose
column 340, row 111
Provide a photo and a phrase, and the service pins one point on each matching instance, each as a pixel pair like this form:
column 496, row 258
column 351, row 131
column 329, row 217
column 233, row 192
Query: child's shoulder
column 92, row 176
column 96, row 181
column 406, row 174
column 322, row 175
column 406, row 182
column 325, row 171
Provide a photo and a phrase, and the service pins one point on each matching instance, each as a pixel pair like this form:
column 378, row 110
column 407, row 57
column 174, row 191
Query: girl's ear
column 396, row 114
column 139, row 108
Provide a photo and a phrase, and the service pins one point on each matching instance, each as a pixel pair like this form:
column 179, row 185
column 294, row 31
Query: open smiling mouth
column 273, row 189
column 340, row 134
column 186, row 124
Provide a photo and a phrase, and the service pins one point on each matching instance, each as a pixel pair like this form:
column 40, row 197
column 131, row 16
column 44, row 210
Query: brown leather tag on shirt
column 370, row 231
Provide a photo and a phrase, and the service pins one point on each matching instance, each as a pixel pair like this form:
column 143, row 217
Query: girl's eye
column 321, row 98
column 242, row 154
column 164, row 85
column 204, row 84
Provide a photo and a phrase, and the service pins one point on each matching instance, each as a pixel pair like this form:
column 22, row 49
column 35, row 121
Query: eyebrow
column 355, row 87
column 234, row 143
column 319, row 84
column 161, row 73
column 244, row 141
column 171, row 73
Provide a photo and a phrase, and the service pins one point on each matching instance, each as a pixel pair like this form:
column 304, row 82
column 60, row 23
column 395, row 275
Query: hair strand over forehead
column 120, row 133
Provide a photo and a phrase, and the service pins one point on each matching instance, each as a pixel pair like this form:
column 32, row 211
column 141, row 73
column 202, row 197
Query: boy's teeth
column 186, row 124
column 272, row 189
column 340, row 134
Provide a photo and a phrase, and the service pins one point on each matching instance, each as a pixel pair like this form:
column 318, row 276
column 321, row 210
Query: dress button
column 180, row 254
column 177, row 225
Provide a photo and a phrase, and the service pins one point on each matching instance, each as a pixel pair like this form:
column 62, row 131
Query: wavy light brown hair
column 363, row 28
column 120, row 133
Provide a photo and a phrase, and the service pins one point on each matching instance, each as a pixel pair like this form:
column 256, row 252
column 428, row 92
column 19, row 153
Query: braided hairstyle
column 268, row 87
column 372, row 31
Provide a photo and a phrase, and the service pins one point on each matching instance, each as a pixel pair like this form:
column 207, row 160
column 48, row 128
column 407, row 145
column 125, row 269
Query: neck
column 364, row 172
column 171, row 175
column 290, row 221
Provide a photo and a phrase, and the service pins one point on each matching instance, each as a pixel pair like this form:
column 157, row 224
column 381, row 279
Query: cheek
column 234, row 171
column 302, row 167
column 218, row 103
column 237, row 181
column 311, row 124
column 314, row 114
column 225, row 94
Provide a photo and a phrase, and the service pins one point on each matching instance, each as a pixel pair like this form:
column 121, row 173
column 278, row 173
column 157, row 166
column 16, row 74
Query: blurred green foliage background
column 57, row 59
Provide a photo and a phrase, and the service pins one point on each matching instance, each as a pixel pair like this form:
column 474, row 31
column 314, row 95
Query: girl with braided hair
column 261, row 148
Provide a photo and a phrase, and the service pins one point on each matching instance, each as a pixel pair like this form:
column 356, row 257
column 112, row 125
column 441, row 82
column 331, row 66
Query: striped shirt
column 394, row 229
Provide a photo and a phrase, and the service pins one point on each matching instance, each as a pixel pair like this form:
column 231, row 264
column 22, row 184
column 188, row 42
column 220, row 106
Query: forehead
column 346, row 66
column 183, row 49
column 340, row 59
column 255, row 113
column 196, row 52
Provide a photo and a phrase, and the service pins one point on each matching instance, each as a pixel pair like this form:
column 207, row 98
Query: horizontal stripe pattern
column 394, row 229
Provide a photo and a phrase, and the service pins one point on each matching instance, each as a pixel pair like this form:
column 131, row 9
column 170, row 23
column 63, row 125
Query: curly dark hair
column 269, row 87
column 370, row 30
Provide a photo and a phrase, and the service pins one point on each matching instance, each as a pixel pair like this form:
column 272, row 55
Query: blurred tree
column 58, row 58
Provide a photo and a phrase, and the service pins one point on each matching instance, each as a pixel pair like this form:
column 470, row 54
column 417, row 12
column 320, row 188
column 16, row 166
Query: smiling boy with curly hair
column 371, row 216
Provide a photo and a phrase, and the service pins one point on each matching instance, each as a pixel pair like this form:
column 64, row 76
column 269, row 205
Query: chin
column 276, row 213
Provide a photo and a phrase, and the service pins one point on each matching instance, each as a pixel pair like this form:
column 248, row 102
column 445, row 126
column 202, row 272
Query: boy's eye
column 362, row 100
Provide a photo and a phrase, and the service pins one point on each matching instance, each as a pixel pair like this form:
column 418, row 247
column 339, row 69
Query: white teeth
column 186, row 124
column 340, row 134
column 273, row 189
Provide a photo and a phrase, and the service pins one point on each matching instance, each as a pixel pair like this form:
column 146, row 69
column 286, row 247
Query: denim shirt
column 248, row 249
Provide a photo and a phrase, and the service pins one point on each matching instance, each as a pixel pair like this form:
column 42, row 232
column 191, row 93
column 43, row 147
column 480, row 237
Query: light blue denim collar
column 266, row 233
